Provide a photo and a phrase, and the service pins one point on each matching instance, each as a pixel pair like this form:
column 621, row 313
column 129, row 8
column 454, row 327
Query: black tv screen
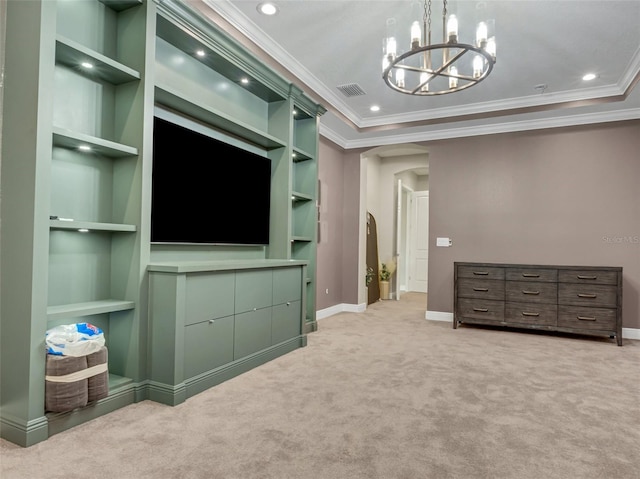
column 206, row 191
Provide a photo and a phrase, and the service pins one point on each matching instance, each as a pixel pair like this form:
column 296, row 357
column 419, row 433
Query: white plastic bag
column 78, row 339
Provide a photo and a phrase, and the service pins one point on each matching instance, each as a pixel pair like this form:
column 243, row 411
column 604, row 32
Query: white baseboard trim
column 340, row 308
column 627, row 333
column 438, row 316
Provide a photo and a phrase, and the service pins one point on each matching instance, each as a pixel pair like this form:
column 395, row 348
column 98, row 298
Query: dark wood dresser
column 571, row 299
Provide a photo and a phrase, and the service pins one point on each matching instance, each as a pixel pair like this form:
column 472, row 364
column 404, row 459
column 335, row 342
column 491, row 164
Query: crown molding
column 462, row 132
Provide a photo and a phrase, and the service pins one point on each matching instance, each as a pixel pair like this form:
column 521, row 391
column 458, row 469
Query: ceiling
column 544, row 48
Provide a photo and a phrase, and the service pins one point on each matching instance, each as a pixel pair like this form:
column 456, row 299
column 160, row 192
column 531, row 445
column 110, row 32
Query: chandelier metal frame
column 423, row 53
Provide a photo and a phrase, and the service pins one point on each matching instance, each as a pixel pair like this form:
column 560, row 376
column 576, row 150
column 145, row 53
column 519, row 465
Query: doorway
column 401, row 212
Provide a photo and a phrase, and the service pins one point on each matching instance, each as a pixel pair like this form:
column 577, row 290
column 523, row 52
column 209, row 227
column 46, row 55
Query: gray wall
column 562, row 196
column 337, row 270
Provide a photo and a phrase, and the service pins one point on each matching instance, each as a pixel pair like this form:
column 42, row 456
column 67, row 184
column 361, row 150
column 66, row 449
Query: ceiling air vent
column 351, row 89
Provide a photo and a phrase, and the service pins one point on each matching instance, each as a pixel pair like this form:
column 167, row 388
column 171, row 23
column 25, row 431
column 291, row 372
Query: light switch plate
column 446, row 242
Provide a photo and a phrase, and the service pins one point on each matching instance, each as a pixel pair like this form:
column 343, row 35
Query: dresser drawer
column 531, row 313
column 531, row 292
column 588, row 276
column 480, row 272
column 491, row 311
column 598, row 295
column 587, row 318
column 532, row 274
column 478, row 288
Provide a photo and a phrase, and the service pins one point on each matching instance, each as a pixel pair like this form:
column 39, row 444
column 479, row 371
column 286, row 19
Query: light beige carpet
column 379, row 395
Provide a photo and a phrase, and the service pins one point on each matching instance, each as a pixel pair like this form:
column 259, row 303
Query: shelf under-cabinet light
column 244, row 81
column 295, row 112
column 200, row 53
column 84, row 148
column 83, row 230
column 86, row 65
column 293, row 155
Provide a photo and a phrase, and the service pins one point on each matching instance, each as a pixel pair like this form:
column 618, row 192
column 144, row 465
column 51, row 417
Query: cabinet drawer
column 207, row 345
column 531, row 292
column 287, row 285
column 531, row 274
column 484, row 289
column 531, row 313
column 209, row 296
column 587, row 318
column 252, row 332
column 480, row 272
column 598, row 295
column 286, row 321
column 254, row 290
column 480, row 309
column 588, row 276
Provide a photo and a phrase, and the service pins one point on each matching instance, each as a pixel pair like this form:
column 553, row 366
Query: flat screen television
column 206, row 191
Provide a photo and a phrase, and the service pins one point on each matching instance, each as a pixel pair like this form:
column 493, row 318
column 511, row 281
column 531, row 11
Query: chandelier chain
column 427, row 15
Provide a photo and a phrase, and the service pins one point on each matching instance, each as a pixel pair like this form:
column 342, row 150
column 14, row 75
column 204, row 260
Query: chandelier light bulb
column 452, row 29
column 424, row 76
column 453, row 81
column 400, row 77
column 415, row 35
column 491, row 47
column 391, row 47
column 478, row 66
column 385, row 62
column 481, row 35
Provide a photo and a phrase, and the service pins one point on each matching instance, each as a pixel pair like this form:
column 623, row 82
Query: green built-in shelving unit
column 77, row 183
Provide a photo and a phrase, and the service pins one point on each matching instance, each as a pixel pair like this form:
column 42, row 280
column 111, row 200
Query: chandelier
column 438, row 68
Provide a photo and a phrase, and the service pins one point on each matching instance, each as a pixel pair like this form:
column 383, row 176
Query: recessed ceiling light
column 267, row 8
column 589, row 76
column 374, row 108
column 200, row 53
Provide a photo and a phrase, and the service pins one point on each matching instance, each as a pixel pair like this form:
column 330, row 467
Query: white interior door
column 419, row 241
column 398, row 257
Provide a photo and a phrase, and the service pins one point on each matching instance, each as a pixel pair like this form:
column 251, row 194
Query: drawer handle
column 288, row 303
column 481, row 273
column 255, row 309
column 582, row 276
column 524, row 313
column 524, row 291
column 481, row 310
column 586, row 318
column 211, row 321
column 530, row 275
column 587, row 295
column 481, row 289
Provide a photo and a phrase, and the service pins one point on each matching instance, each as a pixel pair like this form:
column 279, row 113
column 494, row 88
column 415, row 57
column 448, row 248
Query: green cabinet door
column 209, row 296
column 207, row 345
column 252, row 332
column 287, row 284
column 254, row 290
column 286, row 321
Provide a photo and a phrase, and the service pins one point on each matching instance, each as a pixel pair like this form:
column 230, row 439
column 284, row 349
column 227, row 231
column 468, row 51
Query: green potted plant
column 369, row 276
column 386, row 271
